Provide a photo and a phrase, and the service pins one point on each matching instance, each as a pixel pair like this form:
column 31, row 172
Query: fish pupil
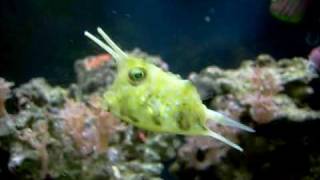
column 137, row 74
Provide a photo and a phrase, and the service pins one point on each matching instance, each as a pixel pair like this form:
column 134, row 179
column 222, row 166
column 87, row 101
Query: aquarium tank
column 160, row 89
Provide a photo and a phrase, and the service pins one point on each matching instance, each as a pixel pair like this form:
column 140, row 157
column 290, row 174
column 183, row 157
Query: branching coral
column 4, row 94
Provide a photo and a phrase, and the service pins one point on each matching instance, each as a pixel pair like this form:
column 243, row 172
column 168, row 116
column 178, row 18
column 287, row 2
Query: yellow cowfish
column 144, row 95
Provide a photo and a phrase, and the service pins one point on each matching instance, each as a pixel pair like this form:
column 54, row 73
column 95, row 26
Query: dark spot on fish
column 203, row 126
column 133, row 119
column 156, row 120
column 183, row 122
column 199, row 122
column 124, row 112
column 155, row 114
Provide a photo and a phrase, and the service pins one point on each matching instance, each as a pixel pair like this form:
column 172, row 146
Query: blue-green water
column 44, row 38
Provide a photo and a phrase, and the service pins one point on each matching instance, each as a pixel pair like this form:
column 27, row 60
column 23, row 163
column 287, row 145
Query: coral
column 4, row 95
column 64, row 133
column 58, row 133
column 39, row 139
column 267, row 86
column 213, row 151
column 95, row 62
column 94, row 79
column 40, row 93
column 77, row 139
column 89, row 127
column 259, row 92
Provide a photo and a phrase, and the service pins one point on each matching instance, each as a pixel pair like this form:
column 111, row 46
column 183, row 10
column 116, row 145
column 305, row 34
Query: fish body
column 148, row 97
column 160, row 102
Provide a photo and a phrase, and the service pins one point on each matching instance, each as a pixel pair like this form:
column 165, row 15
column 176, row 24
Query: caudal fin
column 224, row 120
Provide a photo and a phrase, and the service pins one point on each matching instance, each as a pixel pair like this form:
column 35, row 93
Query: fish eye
column 137, row 74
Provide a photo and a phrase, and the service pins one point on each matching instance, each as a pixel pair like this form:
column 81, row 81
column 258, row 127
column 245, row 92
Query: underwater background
column 246, row 61
column 43, row 38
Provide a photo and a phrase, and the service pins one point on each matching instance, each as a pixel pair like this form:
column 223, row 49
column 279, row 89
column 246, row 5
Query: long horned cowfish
column 144, row 95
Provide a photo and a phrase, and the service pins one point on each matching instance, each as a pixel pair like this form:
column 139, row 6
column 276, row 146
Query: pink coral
column 89, row 126
column 229, row 106
column 265, row 85
column 265, row 81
